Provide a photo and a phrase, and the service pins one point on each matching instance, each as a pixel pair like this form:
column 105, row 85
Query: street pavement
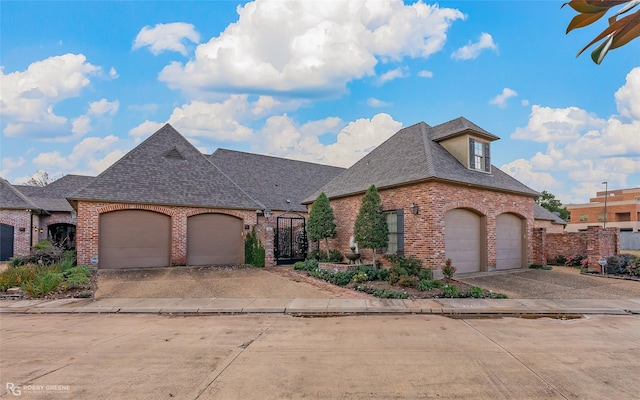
column 279, row 356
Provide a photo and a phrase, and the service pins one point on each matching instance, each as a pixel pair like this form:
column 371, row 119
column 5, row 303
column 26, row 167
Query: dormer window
column 479, row 155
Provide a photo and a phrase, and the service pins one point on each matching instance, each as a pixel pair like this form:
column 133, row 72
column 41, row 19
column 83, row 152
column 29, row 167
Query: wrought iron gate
column 290, row 241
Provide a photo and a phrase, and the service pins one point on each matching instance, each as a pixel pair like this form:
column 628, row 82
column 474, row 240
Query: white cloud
column 473, row 50
column 373, row 102
column 104, row 107
column 557, row 124
column 81, row 125
column 166, row 37
column 425, row 74
column 310, row 47
column 9, row 164
column 402, row 72
column 282, row 137
column 628, row 96
column 501, row 99
column 582, row 148
column 28, row 97
column 145, row 129
column 113, row 74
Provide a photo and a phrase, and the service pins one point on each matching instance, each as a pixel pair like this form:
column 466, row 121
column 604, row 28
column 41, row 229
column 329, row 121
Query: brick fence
column 594, row 243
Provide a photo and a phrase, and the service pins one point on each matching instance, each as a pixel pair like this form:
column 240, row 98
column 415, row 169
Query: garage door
column 508, row 241
column 214, row 239
column 462, row 240
column 6, row 242
column 134, row 239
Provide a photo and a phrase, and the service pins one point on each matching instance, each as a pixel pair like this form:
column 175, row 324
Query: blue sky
column 84, row 82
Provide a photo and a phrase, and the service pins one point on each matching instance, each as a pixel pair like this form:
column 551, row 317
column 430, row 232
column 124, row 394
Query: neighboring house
column 30, row 214
column 622, row 211
column 443, row 199
column 165, row 203
column 548, row 220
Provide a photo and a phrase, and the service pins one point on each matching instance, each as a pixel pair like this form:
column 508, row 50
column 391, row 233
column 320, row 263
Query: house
column 544, row 218
column 442, row 197
column 617, row 208
column 165, row 203
column 30, row 214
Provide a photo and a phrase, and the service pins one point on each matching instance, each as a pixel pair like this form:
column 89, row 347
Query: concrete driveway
column 559, row 283
column 284, row 357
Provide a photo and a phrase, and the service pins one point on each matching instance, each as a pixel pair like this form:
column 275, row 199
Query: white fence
column 630, row 240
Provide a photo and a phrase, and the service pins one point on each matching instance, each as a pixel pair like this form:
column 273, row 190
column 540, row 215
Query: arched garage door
column 509, row 238
column 134, row 239
column 214, row 239
column 6, row 241
column 462, row 239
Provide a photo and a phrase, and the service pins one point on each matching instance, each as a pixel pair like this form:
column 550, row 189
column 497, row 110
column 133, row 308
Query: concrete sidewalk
column 298, row 306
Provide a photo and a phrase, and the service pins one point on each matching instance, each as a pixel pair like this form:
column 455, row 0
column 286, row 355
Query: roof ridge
column 16, row 192
column 274, row 157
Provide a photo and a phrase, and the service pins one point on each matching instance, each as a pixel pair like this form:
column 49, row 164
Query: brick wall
column 87, row 228
column 424, row 233
column 22, row 229
column 594, row 243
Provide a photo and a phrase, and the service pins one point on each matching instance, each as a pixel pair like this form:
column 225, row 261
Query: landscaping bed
column 406, row 279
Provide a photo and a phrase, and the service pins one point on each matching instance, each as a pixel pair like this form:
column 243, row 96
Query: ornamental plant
column 371, row 230
column 321, row 223
column 448, row 270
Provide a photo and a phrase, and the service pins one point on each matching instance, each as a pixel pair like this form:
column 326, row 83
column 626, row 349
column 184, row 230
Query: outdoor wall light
column 267, row 212
column 35, row 229
column 414, row 208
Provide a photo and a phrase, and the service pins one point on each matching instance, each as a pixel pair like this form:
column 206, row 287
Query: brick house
column 442, row 197
column 30, row 214
column 165, row 203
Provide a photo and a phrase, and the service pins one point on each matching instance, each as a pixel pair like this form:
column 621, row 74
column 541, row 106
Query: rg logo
column 13, row 389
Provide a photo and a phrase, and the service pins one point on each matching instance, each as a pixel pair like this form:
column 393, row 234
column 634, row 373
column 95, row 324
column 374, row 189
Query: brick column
column 539, row 239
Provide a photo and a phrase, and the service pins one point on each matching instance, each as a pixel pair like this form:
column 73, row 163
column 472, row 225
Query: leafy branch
column 618, row 33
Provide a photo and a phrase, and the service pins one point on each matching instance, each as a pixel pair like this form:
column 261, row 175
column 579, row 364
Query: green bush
column 76, row 280
column 254, row 252
column 410, row 265
column 360, row 277
column 448, row 270
column 45, row 244
column 45, row 281
column 16, row 276
column 450, row 291
column 538, row 266
column 382, row 293
column 40, row 255
column 407, row 281
column 428, row 284
column 475, row 292
column 334, row 256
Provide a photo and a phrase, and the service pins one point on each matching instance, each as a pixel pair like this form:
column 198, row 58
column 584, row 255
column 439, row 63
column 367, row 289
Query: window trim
column 399, row 231
column 484, row 156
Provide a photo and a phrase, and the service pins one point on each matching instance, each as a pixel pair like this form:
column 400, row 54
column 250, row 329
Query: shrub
column 16, row 276
column 42, row 245
column 254, row 252
column 407, row 281
column 383, row 274
column 575, row 261
column 450, row 291
column 475, row 292
column 359, row 277
column 68, row 260
column 448, row 270
column 300, row 265
column 44, row 282
column 428, row 284
column 334, row 256
column 42, row 256
column 425, row 273
column 341, row 278
column 616, row 265
column 561, row 260
column 382, row 293
column 76, row 280
column 538, row 266
column 410, row 265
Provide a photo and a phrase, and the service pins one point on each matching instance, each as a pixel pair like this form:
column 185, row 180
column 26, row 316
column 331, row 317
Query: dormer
column 467, row 142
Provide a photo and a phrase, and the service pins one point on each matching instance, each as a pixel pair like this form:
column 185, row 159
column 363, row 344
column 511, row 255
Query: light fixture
column 35, row 229
column 41, row 230
column 414, row 208
column 267, row 212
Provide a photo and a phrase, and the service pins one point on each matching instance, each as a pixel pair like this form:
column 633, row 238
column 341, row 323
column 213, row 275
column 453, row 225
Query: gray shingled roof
column 53, row 197
column 413, row 155
column 11, row 198
column 542, row 213
column 166, row 169
column 456, row 127
column 273, row 180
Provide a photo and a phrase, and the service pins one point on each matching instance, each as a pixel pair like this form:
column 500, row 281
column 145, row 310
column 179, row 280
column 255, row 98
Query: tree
column 371, row 230
column 40, row 178
column 321, row 223
column 549, row 201
column 618, row 33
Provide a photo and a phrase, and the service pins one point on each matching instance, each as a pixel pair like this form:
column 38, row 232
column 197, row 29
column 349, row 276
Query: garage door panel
column 462, row 240
column 214, row 239
column 134, row 239
column 509, row 238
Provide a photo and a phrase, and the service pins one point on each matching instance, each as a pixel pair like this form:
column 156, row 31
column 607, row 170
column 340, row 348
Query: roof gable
column 278, row 183
column 413, row 154
column 11, row 198
column 166, row 169
column 457, row 127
